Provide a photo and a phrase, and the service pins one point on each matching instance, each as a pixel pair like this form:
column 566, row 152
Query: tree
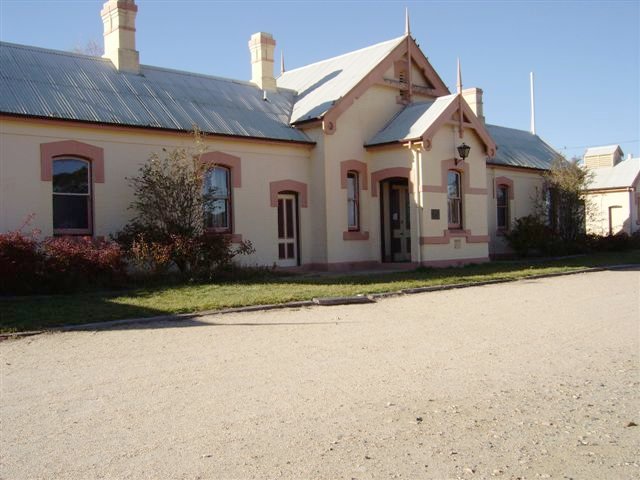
column 168, row 228
column 565, row 202
column 92, row 47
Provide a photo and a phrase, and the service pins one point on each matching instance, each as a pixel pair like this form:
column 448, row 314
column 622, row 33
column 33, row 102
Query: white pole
column 533, row 108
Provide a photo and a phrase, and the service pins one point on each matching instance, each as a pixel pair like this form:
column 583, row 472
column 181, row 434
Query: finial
column 281, row 62
column 459, row 84
column 407, row 28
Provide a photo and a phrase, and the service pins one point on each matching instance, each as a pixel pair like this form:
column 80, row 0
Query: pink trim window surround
column 222, row 159
column 232, row 165
column 288, row 186
column 71, row 148
column 355, row 166
column 507, row 182
column 68, row 200
column 463, row 168
column 380, row 175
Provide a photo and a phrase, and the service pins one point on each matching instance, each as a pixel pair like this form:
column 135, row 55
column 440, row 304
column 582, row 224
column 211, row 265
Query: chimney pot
column 473, row 96
column 262, row 46
column 119, row 18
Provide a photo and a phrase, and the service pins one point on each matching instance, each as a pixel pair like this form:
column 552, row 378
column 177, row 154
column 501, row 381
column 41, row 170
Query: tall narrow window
column 71, row 196
column 502, row 206
column 218, row 202
column 353, row 201
column 454, row 198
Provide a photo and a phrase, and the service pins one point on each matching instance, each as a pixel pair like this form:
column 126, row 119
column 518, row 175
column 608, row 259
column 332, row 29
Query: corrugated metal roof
column 519, row 148
column 412, row 121
column 320, row 84
column 624, row 174
column 603, row 150
column 55, row 84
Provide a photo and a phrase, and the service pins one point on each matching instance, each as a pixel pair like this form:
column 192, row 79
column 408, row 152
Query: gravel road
column 531, row 379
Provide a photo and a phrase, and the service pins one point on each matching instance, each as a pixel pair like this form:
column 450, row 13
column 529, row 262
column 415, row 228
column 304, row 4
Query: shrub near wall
column 62, row 264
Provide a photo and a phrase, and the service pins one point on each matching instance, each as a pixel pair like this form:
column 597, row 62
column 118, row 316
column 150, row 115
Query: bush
column 528, row 235
column 73, row 262
column 21, row 263
column 61, row 264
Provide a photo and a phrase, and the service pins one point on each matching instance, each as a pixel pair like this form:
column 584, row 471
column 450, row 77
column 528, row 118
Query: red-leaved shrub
column 60, row 264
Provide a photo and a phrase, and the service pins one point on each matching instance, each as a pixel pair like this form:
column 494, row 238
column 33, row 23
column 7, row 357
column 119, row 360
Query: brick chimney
column 473, row 96
column 119, row 18
column 261, row 46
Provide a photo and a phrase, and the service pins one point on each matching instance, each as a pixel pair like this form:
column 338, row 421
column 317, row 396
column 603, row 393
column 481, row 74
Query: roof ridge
column 360, row 50
column 52, row 51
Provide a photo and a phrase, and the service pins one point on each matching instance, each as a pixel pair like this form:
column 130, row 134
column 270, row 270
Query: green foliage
column 529, row 235
column 168, row 231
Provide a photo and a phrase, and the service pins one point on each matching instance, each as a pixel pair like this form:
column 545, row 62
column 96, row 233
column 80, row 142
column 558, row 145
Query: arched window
column 454, row 198
column 71, row 179
column 353, row 201
column 502, row 206
column 217, row 200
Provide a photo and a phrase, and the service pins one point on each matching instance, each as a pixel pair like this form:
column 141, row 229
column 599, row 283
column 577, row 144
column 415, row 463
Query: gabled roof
column 519, row 148
column 45, row 83
column 412, row 121
column 320, row 84
column 603, row 150
column 622, row 175
column 420, row 121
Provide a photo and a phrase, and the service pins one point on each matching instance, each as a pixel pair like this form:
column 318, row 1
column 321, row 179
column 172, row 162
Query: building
column 613, row 195
column 350, row 162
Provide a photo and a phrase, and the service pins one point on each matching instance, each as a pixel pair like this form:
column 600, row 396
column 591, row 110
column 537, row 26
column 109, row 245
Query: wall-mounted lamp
column 463, row 151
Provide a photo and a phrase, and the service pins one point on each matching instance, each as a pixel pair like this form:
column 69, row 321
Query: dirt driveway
column 533, row 379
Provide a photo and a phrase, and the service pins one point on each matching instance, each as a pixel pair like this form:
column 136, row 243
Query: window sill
column 355, row 235
column 234, row 237
column 501, row 232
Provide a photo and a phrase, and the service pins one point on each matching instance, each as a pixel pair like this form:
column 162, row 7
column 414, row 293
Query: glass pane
column 70, row 211
column 501, row 196
column 216, row 215
column 281, row 250
column 454, row 211
column 351, row 186
column 289, row 205
column 71, row 176
column 280, row 219
column 217, row 182
column 352, row 214
column 290, row 250
column 502, row 217
column 453, row 185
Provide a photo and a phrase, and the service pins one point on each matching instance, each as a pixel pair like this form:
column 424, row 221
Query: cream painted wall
column 366, row 116
column 526, row 185
column 624, row 218
column 22, row 192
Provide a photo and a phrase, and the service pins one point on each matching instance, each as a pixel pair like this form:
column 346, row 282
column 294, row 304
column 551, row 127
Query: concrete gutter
column 324, row 301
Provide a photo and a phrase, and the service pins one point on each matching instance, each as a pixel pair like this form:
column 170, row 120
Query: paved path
column 532, row 379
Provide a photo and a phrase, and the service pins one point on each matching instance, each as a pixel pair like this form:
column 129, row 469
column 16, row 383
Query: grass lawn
column 41, row 312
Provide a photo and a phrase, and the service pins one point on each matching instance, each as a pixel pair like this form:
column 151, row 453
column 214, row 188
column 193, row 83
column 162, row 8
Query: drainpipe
column 415, row 151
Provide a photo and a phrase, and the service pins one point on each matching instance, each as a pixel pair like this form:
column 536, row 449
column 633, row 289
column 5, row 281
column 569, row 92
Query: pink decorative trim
column 463, row 168
column 288, row 186
column 380, row 175
column 454, row 262
column 507, row 182
column 119, row 5
column 377, row 75
column 464, row 111
column 357, row 166
column 232, row 162
column 447, row 235
column 72, row 148
column 354, row 235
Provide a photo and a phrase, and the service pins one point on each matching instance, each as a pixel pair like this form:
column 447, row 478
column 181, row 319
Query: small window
column 353, row 201
column 502, row 206
column 454, row 198
column 71, row 196
column 217, row 215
